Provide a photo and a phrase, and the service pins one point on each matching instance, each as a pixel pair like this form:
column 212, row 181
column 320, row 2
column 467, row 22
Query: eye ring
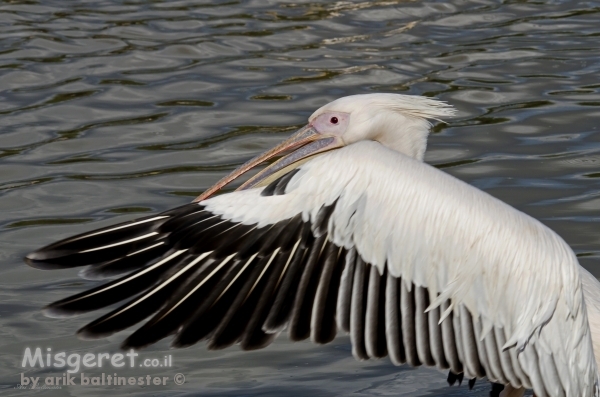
column 333, row 120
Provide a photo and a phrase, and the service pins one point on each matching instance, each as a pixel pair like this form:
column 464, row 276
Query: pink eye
column 334, row 120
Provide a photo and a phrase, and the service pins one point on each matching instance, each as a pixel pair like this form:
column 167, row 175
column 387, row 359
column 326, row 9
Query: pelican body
column 350, row 231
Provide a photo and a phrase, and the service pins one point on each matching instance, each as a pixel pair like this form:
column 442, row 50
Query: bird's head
column 399, row 122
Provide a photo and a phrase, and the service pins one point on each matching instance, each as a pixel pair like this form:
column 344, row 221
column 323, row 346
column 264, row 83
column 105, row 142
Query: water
column 113, row 110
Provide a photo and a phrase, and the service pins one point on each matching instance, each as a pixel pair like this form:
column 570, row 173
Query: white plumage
column 456, row 241
column 411, row 261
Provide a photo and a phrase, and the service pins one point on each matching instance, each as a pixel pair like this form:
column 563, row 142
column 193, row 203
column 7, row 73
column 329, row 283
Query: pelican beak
column 305, row 142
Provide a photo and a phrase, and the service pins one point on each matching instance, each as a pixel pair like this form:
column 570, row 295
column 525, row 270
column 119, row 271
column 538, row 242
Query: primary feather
column 412, row 262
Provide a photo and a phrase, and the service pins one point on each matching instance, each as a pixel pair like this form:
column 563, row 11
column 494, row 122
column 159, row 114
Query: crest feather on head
column 410, row 105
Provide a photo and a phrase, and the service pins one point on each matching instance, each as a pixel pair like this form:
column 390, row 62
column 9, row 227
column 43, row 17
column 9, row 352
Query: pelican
column 350, row 230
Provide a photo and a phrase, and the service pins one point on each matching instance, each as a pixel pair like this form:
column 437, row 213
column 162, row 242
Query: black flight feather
column 127, row 263
column 238, row 315
column 111, row 292
column 199, row 276
column 449, row 341
column 285, row 296
column 407, row 308
column 210, row 311
column 345, row 292
column 83, row 249
column 200, row 289
column 323, row 326
column 321, row 221
column 143, row 305
column 393, row 322
column 299, row 327
column 358, row 309
column 375, row 342
column 254, row 337
column 277, row 187
column 421, row 297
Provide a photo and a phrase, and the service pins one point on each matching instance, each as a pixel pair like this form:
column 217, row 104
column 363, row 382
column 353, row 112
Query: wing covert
column 426, row 269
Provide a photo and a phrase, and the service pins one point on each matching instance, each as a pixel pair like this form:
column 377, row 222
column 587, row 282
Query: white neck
column 408, row 137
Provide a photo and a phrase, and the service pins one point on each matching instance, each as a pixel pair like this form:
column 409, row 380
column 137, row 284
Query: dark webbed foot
column 453, row 378
column 472, row 383
column 496, row 389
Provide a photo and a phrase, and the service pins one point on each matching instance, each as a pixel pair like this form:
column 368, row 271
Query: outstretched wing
column 412, row 262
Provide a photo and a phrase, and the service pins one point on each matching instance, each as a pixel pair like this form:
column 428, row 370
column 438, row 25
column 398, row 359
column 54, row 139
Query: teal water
column 112, row 110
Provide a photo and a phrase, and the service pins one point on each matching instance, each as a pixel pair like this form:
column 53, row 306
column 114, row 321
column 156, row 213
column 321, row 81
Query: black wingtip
column 130, row 344
column 144, row 337
column 42, row 259
column 36, row 256
column 181, row 340
column 269, row 328
column 30, row 260
column 86, row 333
column 55, row 311
column 179, row 344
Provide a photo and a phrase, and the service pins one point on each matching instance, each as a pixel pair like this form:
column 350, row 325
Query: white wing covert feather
column 516, row 278
column 411, row 262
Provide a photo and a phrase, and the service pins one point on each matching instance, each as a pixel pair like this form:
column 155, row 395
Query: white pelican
column 352, row 231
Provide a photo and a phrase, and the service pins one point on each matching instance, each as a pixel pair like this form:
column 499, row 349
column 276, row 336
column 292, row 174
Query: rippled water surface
column 113, row 110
